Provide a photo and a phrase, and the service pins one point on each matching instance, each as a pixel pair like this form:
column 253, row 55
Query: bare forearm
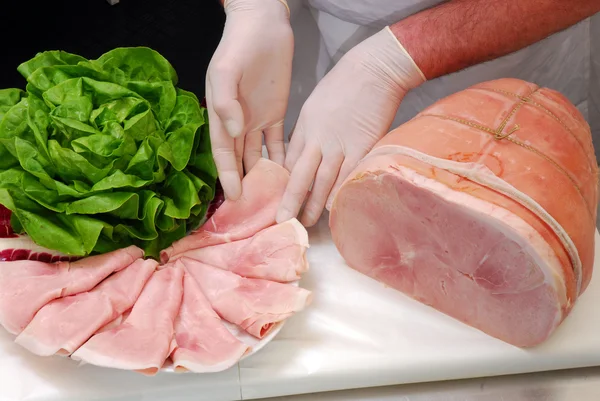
column 462, row 33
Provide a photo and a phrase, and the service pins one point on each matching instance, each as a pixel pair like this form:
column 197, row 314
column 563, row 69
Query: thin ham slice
column 116, row 322
column 26, row 286
column 203, row 342
column 64, row 324
column 255, row 305
column 144, row 340
column 256, row 209
column 483, row 206
column 276, row 253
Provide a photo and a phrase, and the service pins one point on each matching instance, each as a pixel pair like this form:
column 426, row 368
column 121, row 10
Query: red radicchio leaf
column 6, row 230
column 217, row 201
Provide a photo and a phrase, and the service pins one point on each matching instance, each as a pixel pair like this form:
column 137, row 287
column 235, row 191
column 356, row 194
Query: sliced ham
column 276, row 253
column 458, row 208
column 64, row 324
column 116, row 322
column 26, row 286
column 255, row 305
column 144, row 340
column 203, row 342
column 256, row 209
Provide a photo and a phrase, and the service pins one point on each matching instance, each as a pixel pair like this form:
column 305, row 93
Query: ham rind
column 459, row 209
column 203, row 342
column 255, row 305
column 144, row 340
column 255, row 210
column 64, row 324
column 277, row 253
column 26, row 286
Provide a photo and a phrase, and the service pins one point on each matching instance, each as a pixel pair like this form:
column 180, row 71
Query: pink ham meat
column 144, row 340
column 276, row 253
column 483, row 206
column 262, row 190
column 26, row 286
column 65, row 324
column 254, row 305
column 116, row 322
column 203, row 343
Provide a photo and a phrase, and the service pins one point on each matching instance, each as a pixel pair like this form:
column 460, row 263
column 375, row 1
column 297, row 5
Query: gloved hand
column 247, row 87
column 351, row 108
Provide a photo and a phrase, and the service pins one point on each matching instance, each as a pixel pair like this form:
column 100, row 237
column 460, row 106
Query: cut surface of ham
column 204, row 344
column 144, row 340
column 255, row 305
column 26, row 286
column 458, row 209
column 63, row 325
column 255, row 210
column 276, row 253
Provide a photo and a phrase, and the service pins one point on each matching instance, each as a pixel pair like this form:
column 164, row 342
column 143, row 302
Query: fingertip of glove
column 233, row 128
column 283, row 215
column 232, row 187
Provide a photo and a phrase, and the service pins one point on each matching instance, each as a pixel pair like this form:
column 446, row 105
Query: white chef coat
column 568, row 61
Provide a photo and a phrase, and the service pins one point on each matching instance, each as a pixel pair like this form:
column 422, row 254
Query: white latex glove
column 344, row 117
column 247, row 87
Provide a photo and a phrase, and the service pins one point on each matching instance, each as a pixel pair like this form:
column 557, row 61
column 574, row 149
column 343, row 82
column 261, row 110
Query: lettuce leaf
column 100, row 154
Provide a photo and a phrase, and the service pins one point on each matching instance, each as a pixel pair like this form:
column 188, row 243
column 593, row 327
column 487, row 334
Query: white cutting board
column 357, row 333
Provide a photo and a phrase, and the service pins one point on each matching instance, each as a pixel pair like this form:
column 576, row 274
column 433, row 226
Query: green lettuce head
column 100, row 154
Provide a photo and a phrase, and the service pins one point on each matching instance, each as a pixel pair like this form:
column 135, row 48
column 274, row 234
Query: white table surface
column 356, row 334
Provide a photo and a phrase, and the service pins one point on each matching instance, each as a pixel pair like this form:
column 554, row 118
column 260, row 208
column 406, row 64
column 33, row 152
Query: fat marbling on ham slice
column 145, row 338
column 276, row 253
column 64, row 324
column 483, row 206
column 26, row 286
column 203, row 343
column 255, row 305
column 256, row 209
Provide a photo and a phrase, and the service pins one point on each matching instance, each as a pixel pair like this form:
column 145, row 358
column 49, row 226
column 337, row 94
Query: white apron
column 325, row 30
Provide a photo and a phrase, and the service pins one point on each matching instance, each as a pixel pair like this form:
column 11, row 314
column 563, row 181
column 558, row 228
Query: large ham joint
column 483, row 206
